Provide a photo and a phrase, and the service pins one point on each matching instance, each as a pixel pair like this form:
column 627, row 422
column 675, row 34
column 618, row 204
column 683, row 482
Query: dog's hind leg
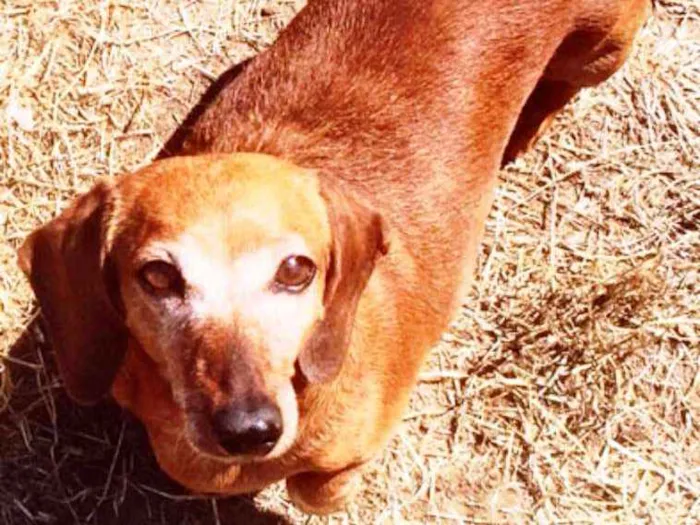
column 595, row 50
column 548, row 98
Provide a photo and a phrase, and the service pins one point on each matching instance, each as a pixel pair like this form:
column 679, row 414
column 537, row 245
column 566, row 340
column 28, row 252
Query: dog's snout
column 248, row 428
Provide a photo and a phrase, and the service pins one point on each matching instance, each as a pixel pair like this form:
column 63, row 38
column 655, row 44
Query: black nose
column 249, row 427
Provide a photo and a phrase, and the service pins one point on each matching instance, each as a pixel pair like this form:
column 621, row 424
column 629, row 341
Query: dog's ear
column 358, row 237
column 73, row 277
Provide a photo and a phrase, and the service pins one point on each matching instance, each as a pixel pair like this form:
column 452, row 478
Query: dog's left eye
column 295, row 273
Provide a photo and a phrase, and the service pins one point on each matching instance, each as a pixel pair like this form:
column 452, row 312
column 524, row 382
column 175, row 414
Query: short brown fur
column 399, row 112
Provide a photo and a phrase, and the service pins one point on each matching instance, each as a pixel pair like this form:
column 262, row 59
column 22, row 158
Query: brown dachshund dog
column 264, row 298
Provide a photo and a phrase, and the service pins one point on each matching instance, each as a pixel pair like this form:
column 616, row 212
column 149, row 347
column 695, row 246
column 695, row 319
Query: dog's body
column 411, row 106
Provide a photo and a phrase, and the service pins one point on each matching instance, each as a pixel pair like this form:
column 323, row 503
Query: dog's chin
column 207, row 448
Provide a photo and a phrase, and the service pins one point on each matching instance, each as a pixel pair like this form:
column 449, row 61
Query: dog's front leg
column 324, row 492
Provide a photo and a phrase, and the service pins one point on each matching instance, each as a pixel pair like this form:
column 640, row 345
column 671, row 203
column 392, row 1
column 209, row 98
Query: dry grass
column 567, row 391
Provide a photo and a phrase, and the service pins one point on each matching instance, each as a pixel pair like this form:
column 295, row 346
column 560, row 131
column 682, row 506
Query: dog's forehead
column 238, row 202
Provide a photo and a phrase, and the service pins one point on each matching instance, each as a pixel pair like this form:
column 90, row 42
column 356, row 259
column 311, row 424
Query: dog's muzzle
column 250, row 427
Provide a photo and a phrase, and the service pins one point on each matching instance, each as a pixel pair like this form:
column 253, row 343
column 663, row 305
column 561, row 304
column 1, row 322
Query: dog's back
column 414, row 103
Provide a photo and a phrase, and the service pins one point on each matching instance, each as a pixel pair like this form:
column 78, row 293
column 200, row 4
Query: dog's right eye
column 161, row 278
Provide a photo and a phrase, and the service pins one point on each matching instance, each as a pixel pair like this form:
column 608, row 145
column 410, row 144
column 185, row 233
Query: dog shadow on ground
column 61, row 463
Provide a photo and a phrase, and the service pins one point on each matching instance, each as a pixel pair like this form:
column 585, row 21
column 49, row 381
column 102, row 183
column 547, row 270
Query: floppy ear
column 72, row 276
column 358, row 237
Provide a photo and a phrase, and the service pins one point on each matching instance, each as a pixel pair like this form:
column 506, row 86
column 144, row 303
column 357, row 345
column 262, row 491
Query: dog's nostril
column 251, row 429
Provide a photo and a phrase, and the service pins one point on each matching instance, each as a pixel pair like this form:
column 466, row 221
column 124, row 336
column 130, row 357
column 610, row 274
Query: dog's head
column 229, row 271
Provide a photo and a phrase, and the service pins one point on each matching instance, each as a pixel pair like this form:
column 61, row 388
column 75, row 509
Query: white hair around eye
column 221, row 285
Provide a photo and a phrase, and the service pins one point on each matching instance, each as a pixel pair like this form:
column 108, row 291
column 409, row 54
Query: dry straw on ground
column 567, row 391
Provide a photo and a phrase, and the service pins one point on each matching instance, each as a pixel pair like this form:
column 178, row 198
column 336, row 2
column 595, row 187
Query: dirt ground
column 568, row 390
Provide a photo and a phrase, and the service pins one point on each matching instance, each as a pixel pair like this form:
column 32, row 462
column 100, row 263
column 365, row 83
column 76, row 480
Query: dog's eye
column 295, row 273
column 160, row 277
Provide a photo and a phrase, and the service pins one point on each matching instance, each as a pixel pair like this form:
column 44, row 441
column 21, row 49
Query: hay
column 567, row 390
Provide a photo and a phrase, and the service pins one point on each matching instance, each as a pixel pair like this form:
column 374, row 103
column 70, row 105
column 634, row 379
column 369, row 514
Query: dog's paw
column 323, row 493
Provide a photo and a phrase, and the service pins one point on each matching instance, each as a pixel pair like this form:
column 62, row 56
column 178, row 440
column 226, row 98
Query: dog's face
column 228, row 272
column 225, row 295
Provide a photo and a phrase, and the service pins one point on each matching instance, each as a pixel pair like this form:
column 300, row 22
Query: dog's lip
column 220, row 454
